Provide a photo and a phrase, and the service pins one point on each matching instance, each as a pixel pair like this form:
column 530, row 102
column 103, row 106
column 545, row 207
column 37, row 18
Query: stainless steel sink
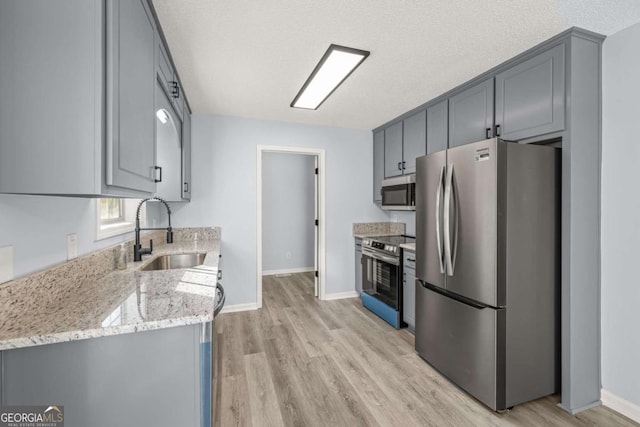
column 169, row 262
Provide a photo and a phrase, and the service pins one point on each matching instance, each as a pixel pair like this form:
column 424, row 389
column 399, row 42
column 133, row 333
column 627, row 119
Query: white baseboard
column 239, row 307
column 341, row 295
column 287, row 271
column 618, row 404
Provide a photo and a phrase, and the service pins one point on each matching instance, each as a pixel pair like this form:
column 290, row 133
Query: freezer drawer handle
column 438, row 231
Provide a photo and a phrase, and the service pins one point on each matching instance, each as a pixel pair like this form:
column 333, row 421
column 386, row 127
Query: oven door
column 381, row 277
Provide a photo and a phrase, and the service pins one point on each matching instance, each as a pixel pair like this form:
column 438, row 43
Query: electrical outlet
column 6, row 264
column 288, row 255
column 72, row 246
column 394, row 218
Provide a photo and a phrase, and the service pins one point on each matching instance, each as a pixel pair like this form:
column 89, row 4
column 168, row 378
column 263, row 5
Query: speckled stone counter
column 408, row 246
column 88, row 298
column 371, row 229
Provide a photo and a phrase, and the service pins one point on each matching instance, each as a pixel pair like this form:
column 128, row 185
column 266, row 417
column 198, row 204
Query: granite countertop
column 365, row 235
column 408, row 246
column 122, row 301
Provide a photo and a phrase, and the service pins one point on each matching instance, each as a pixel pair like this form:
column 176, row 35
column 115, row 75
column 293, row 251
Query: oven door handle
column 380, row 257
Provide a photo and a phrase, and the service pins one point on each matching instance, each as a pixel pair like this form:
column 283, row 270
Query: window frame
column 125, row 224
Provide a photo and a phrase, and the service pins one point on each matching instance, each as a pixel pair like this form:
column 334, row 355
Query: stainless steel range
column 382, row 276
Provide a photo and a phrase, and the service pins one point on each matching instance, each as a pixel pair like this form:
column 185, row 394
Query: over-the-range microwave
column 399, row 193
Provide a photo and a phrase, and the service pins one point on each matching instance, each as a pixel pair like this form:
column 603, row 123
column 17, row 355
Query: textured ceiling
column 250, row 57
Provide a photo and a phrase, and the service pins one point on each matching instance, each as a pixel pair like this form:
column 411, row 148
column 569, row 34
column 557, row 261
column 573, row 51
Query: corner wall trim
column 288, row 271
column 239, row 307
column 618, row 404
column 341, row 295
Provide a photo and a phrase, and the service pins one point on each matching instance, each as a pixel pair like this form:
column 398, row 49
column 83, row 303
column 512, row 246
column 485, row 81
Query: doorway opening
column 290, row 209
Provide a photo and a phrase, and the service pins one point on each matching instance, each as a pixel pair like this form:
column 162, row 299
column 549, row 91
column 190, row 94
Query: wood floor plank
column 303, row 362
column 234, row 409
column 261, row 393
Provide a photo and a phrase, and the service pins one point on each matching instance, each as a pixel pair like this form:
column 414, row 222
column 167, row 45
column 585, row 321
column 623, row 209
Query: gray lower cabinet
column 358, row 265
column 393, row 150
column 438, row 127
column 409, row 288
column 160, row 378
column 378, row 165
column 530, row 97
column 414, row 141
column 471, row 114
column 186, row 154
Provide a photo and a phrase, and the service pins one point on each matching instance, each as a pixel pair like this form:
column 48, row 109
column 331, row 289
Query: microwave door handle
column 447, row 220
column 438, row 230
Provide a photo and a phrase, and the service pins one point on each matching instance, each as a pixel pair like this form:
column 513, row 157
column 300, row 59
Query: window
column 116, row 216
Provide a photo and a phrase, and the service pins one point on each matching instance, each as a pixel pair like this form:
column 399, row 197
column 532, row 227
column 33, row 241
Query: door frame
column 321, row 200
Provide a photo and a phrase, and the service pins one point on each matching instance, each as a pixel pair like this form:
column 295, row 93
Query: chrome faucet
column 138, row 250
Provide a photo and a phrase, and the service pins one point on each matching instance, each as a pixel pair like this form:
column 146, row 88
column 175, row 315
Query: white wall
column 37, row 228
column 224, row 192
column 621, row 215
column 288, row 211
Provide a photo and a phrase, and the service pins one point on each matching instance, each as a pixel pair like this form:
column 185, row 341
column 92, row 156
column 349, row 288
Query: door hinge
column 316, row 273
column 316, row 171
column 316, row 222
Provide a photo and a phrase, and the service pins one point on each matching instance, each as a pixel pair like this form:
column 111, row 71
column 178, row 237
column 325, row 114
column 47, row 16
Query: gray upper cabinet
column 437, row 127
column 414, row 141
column 530, row 97
column 169, row 132
column 393, row 150
column 94, row 61
column 130, row 151
column 186, row 154
column 378, row 165
column 471, row 114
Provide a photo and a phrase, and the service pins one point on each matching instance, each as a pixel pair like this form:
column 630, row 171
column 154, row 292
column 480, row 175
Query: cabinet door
column 471, row 114
column 437, row 127
column 358, row 266
column 409, row 290
column 530, row 97
column 131, row 94
column 378, row 165
column 414, row 141
column 393, row 150
column 169, row 147
column 186, row 155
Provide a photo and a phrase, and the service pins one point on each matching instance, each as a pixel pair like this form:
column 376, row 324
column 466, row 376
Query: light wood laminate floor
column 302, row 362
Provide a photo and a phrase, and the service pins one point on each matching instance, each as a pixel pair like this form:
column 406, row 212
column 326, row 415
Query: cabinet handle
column 160, row 169
column 175, row 89
column 186, row 187
column 403, row 165
column 497, row 130
column 399, row 166
column 488, row 131
column 412, row 260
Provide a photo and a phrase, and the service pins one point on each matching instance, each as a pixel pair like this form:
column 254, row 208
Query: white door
column 315, row 233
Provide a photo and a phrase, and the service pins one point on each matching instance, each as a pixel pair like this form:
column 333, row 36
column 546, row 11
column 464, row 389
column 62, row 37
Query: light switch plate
column 6, row 264
column 72, row 246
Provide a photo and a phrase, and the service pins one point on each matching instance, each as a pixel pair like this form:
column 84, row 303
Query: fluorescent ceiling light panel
column 335, row 66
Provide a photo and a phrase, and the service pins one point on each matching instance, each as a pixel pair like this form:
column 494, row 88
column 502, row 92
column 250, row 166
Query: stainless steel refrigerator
column 487, row 267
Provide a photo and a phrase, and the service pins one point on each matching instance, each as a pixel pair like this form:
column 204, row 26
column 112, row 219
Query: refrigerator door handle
column 454, row 243
column 438, row 230
column 447, row 220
